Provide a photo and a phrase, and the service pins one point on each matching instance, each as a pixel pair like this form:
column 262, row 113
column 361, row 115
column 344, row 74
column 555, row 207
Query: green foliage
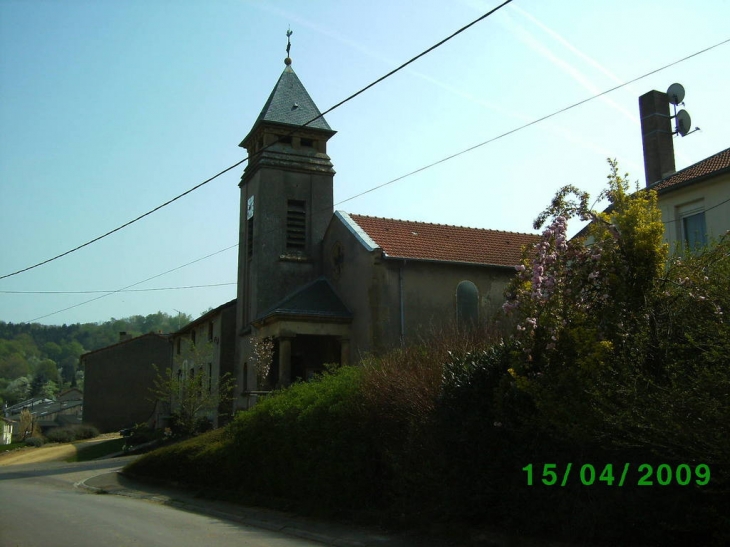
column 84, row 431
column 17, row 390
column 99, row 450
column 624, row 355
column 60, row 435
column 617, row 356
column 310, row 443
column 40, row 350
column 192, row 395
column 71, row 433
column 11, row 446
column 34, row 441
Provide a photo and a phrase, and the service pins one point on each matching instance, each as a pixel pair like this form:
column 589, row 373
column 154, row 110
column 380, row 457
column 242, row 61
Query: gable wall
column 117, row 382
column 353, row 280
column 705, row 196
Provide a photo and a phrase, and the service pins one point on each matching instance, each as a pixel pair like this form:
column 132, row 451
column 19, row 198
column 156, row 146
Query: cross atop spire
column 287, row 61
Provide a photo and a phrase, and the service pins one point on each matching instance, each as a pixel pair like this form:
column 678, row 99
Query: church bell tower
column 286, row 198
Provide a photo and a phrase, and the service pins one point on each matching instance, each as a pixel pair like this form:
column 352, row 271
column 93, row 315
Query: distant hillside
column 40, row 359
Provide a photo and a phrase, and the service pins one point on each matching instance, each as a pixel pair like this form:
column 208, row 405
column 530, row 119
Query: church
column 329, row 286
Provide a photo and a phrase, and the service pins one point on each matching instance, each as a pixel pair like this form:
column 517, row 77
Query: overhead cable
column 148, row 213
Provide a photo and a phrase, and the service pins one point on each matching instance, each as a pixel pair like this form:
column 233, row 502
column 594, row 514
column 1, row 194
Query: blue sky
column 109, row 109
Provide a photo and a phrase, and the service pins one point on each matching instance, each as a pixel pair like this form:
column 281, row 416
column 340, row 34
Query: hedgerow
column 618, row 355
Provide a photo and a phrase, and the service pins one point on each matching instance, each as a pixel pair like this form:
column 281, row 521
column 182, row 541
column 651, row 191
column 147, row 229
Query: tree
column 17, row 390
column 26, row 424
column 618, row 345
column 191, row 393
column 262, row 357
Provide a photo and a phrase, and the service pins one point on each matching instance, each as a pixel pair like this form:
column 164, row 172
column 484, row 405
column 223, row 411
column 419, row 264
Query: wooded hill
column 44, row 359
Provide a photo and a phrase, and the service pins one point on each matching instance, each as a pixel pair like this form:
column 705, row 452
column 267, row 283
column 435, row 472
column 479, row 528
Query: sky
column 109, row 109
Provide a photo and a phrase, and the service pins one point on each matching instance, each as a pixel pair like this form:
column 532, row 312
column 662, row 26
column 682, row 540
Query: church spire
column 290, row 132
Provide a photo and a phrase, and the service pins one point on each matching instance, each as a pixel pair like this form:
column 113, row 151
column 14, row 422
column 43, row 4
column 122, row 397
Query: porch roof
column 316, row 300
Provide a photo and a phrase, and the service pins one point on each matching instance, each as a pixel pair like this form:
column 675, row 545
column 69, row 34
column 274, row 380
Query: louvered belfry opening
column 296, row 225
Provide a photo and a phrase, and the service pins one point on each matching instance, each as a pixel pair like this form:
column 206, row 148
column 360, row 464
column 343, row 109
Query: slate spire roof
column 317, row 299
column 290, row 104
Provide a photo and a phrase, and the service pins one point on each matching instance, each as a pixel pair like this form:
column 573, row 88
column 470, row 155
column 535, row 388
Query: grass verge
column 11, row 446
column 97, row 450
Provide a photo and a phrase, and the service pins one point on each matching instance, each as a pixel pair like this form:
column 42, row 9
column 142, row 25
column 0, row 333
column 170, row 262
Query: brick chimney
column 656, row 135
column 123, row 336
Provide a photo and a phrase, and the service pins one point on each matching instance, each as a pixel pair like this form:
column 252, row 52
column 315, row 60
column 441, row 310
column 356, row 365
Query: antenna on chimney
column 682, row 120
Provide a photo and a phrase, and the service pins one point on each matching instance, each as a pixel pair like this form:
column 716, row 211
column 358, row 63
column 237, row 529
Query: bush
column 61, row 435
column 84, row 431
column 34, row 441
column 71, row 433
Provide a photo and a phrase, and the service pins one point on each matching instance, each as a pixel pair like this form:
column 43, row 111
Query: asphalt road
column 41, row 506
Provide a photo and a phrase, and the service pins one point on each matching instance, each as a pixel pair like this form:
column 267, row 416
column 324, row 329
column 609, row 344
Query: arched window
column 467, row 304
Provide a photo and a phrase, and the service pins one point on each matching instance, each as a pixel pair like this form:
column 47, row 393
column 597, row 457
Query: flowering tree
column 614, row 340
column 588, row 291
column 262, row 357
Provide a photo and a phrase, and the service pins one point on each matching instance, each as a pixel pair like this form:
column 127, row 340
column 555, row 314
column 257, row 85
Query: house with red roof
column 695, row 202
column 326, row 286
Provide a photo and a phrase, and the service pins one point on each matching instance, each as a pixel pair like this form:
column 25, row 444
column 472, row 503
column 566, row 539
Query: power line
column 443, row 160
column 127, row 290
column 148, row 213
column 470, row 149
column 133, row 284
column 704, row 211
column 520, row 128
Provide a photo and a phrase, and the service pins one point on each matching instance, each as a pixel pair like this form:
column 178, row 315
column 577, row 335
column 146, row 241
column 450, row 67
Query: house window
column 285, row 139
column 296, row 224
column 210, row 331
column 694, row 230
column 210, row 377
column 308, row 143
column 467, row 304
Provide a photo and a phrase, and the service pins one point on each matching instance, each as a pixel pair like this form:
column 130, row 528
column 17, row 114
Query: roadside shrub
column 34, row 441
column 61, row 435
column 84, row 431
column 71, row 433
column 142, row 433
column 619, row 357
column 310, row 443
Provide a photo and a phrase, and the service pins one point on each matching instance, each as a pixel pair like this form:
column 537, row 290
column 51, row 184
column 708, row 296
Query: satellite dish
column 676, row 93
column 684, row 122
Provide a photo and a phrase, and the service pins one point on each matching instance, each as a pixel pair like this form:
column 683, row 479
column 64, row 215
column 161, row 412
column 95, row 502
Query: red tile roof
column 425, row 241
column 709, row 166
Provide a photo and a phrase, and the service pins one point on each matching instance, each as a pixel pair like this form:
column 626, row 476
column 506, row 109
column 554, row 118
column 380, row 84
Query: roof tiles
column 709, row 166
column 438, row 242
